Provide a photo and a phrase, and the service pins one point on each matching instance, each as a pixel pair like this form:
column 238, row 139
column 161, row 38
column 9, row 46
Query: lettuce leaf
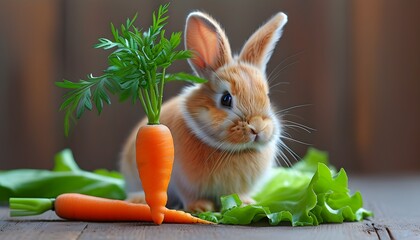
column 309, row 193
column 66, row 176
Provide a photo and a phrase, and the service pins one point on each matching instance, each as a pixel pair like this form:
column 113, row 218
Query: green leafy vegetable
column 308, row 194
column 136, row 71
column 65, row 177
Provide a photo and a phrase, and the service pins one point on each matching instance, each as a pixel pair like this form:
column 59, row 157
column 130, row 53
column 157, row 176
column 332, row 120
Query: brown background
column 352, row 66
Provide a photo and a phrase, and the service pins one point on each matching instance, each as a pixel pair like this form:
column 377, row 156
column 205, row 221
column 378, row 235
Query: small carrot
column 80, row 207
column 155, row 156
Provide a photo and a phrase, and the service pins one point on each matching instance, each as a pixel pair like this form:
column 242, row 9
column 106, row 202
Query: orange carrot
column 155, row 156
column 80, row 207
column 142, row 78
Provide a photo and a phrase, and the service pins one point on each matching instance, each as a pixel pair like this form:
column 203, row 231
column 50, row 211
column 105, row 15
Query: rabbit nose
column 256, row 125
column 253, row 130
column 254, row 134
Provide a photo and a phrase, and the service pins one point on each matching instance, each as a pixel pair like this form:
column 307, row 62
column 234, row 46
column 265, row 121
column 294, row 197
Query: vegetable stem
column 30, row 206
column 151, row 116
column 152, row 92
column 162, row 83
column 143, row 103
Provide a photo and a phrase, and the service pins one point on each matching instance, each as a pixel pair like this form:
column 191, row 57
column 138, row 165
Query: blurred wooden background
column 353, row 67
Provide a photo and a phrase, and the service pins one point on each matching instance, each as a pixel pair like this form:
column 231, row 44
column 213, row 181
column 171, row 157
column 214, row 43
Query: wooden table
column 394, row 200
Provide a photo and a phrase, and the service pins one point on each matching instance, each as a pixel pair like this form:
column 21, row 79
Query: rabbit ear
column 208, row 42
column 259, row 47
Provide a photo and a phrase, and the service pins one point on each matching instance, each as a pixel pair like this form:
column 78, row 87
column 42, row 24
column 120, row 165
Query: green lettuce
column 307, row 194
column 65, row 177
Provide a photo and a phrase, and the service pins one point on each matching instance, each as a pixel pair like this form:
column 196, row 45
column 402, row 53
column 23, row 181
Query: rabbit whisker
column 295, row 107
column 273, row 86
column 284, row 158
column 294, row 125
column 284, row 60
column 276, row 75
column 290, row 151
column 297, row 141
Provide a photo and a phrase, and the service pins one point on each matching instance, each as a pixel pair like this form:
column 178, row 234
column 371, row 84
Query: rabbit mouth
column 250, row 141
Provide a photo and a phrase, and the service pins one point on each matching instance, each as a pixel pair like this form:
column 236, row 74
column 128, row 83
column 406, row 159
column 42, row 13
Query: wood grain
column 48, row 227
column 45, row 226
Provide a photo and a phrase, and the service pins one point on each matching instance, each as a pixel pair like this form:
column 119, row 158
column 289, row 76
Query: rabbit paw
column 136, row 197
column 201, row 206
column 247, row 200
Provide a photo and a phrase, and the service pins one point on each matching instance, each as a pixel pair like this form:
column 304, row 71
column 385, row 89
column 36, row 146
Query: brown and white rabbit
column 226, row 133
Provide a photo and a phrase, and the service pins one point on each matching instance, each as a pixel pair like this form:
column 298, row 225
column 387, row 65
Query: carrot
column 80, row 207
column 137, row 69
column 155, row 156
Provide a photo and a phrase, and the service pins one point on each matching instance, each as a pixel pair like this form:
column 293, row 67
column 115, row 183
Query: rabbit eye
column 226, row 100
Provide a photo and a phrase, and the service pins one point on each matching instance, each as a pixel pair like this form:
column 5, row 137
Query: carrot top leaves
column 136, row 71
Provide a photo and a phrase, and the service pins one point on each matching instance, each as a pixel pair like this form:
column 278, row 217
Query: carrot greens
column 136, row 71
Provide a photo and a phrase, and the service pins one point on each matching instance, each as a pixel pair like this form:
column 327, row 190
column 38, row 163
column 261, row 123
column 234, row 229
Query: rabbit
column 226, row 132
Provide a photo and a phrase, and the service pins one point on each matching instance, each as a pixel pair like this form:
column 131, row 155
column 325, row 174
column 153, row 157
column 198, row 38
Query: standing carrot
column 80, row 207
column 155, row 156
column 137, row 70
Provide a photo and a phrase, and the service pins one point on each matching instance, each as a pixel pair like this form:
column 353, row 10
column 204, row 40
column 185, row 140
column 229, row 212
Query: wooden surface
column 394, row 200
